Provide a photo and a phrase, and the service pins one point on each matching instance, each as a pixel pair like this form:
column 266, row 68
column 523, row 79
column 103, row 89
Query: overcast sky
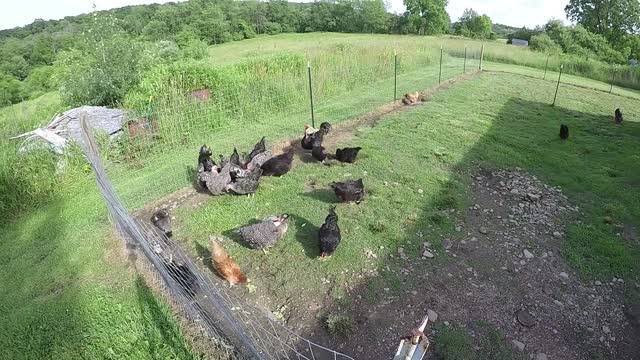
column 510, row 12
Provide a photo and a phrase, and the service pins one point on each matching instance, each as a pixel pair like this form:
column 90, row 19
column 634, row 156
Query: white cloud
column 509, row 12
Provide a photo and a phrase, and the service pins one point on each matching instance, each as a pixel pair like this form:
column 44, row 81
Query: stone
column 525, row 319
column 564, row 275
column 527, row 254
column 446, row 243
column 427, row 254
column 433, row 316
column 514, row 191
column 598, row 283
column 517, row 345
column 542, row 356
column 557, row 302
column 557, row 234
column 483, row 230
column 533, row 197
column 606, row 329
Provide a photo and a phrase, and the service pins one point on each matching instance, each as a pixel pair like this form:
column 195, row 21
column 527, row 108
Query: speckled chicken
column 329, row 234
column 350, row 190
column 259, row 148
column 266, row 233
column 214, row 181
column 258, row 160
column 248, row 184
column 278, row 165
column 162, row 220
column 314, row 136
column 347, row 155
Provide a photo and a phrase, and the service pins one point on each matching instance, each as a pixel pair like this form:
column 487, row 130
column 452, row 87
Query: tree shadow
column 204, row 253
column 158, row 319
column 307, row 235
column 517, row 138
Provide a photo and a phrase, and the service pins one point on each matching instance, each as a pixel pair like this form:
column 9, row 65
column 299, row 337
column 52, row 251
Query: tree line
column 115, row 46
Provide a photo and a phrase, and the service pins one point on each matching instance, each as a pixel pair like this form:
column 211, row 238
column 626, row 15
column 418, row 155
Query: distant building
column 519, row 42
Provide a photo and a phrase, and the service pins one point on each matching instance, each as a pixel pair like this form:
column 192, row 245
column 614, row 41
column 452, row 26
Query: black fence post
column 545, row 68
column 440, row 74
column 481, row 57
column 313, row 120
column 395, row 76
column 464, row 67
column 557, row 86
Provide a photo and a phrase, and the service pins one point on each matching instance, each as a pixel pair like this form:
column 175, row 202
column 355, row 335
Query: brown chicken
column 224, row 264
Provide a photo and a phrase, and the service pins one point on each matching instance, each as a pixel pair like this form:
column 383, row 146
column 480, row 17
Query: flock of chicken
column 242, row 176
column 564, row 129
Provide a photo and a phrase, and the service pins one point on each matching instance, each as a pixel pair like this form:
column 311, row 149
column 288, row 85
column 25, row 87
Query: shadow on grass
column 307, row 235
column 158, row 320
column 204, row 253
column 522, row 134
column 325, row 195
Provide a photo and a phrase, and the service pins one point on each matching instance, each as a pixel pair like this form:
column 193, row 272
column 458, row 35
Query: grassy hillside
column 68, row 290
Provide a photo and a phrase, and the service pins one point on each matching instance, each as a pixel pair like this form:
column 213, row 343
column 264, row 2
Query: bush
column 544, row 43
column 40, row 80
column 272, row 28
column 11, row 90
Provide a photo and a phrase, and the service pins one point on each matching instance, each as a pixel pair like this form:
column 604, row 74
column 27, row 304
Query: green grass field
column 67, row 293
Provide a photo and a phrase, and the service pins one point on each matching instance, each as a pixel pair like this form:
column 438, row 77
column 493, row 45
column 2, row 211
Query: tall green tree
column 471, row 24
column 433, row 16
column 613, row 19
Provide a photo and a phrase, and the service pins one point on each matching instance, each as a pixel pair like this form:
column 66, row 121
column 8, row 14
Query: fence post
column 545, row 68
column 313, row 120
column 395, row 75
column 481, row 57
column 440, row 74
column 612, row 78
column 464, row 68
column 557, row 86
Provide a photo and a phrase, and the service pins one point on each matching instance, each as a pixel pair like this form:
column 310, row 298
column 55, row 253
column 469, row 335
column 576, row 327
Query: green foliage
column 11, row 90
column 40, row 81
column 453, row 343
column 104, row 67
column 473, row 25
column 339, row 325
column 431, row 16
column 615, row 20
column 544, row 43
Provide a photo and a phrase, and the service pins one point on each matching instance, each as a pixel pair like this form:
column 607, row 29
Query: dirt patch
column 504, row 268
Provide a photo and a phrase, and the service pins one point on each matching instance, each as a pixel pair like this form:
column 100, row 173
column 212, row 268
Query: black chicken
column 564, row 132
column 259, row 148
column 319, row 153
column 235, row 158
column 347, row 155
column 618, row 116
column 278, row 165
column 162, row 220
column 182, row 275
column 329, row 234
column 350, row 190
column 204, row 159
column 248, row 184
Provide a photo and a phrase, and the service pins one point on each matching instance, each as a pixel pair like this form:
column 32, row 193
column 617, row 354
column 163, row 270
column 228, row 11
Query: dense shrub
column 544, row 43
column 11, row 90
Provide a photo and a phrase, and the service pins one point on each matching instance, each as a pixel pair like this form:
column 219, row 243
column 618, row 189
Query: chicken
column 214, row 181
column 278, row 165
column 248, row 184
column 564, row 132
column 265, row 234
column 235, row 158
column 162, row 220
column 182, row 275
column 259, row 148
column 258, row 160
column 618, row 116
column 313, row 137
column 204, row 158
column 319, row 153
column 350, row 190
column 329, row 234
column 347, row 155
column 411, row 98
column 224, row 264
